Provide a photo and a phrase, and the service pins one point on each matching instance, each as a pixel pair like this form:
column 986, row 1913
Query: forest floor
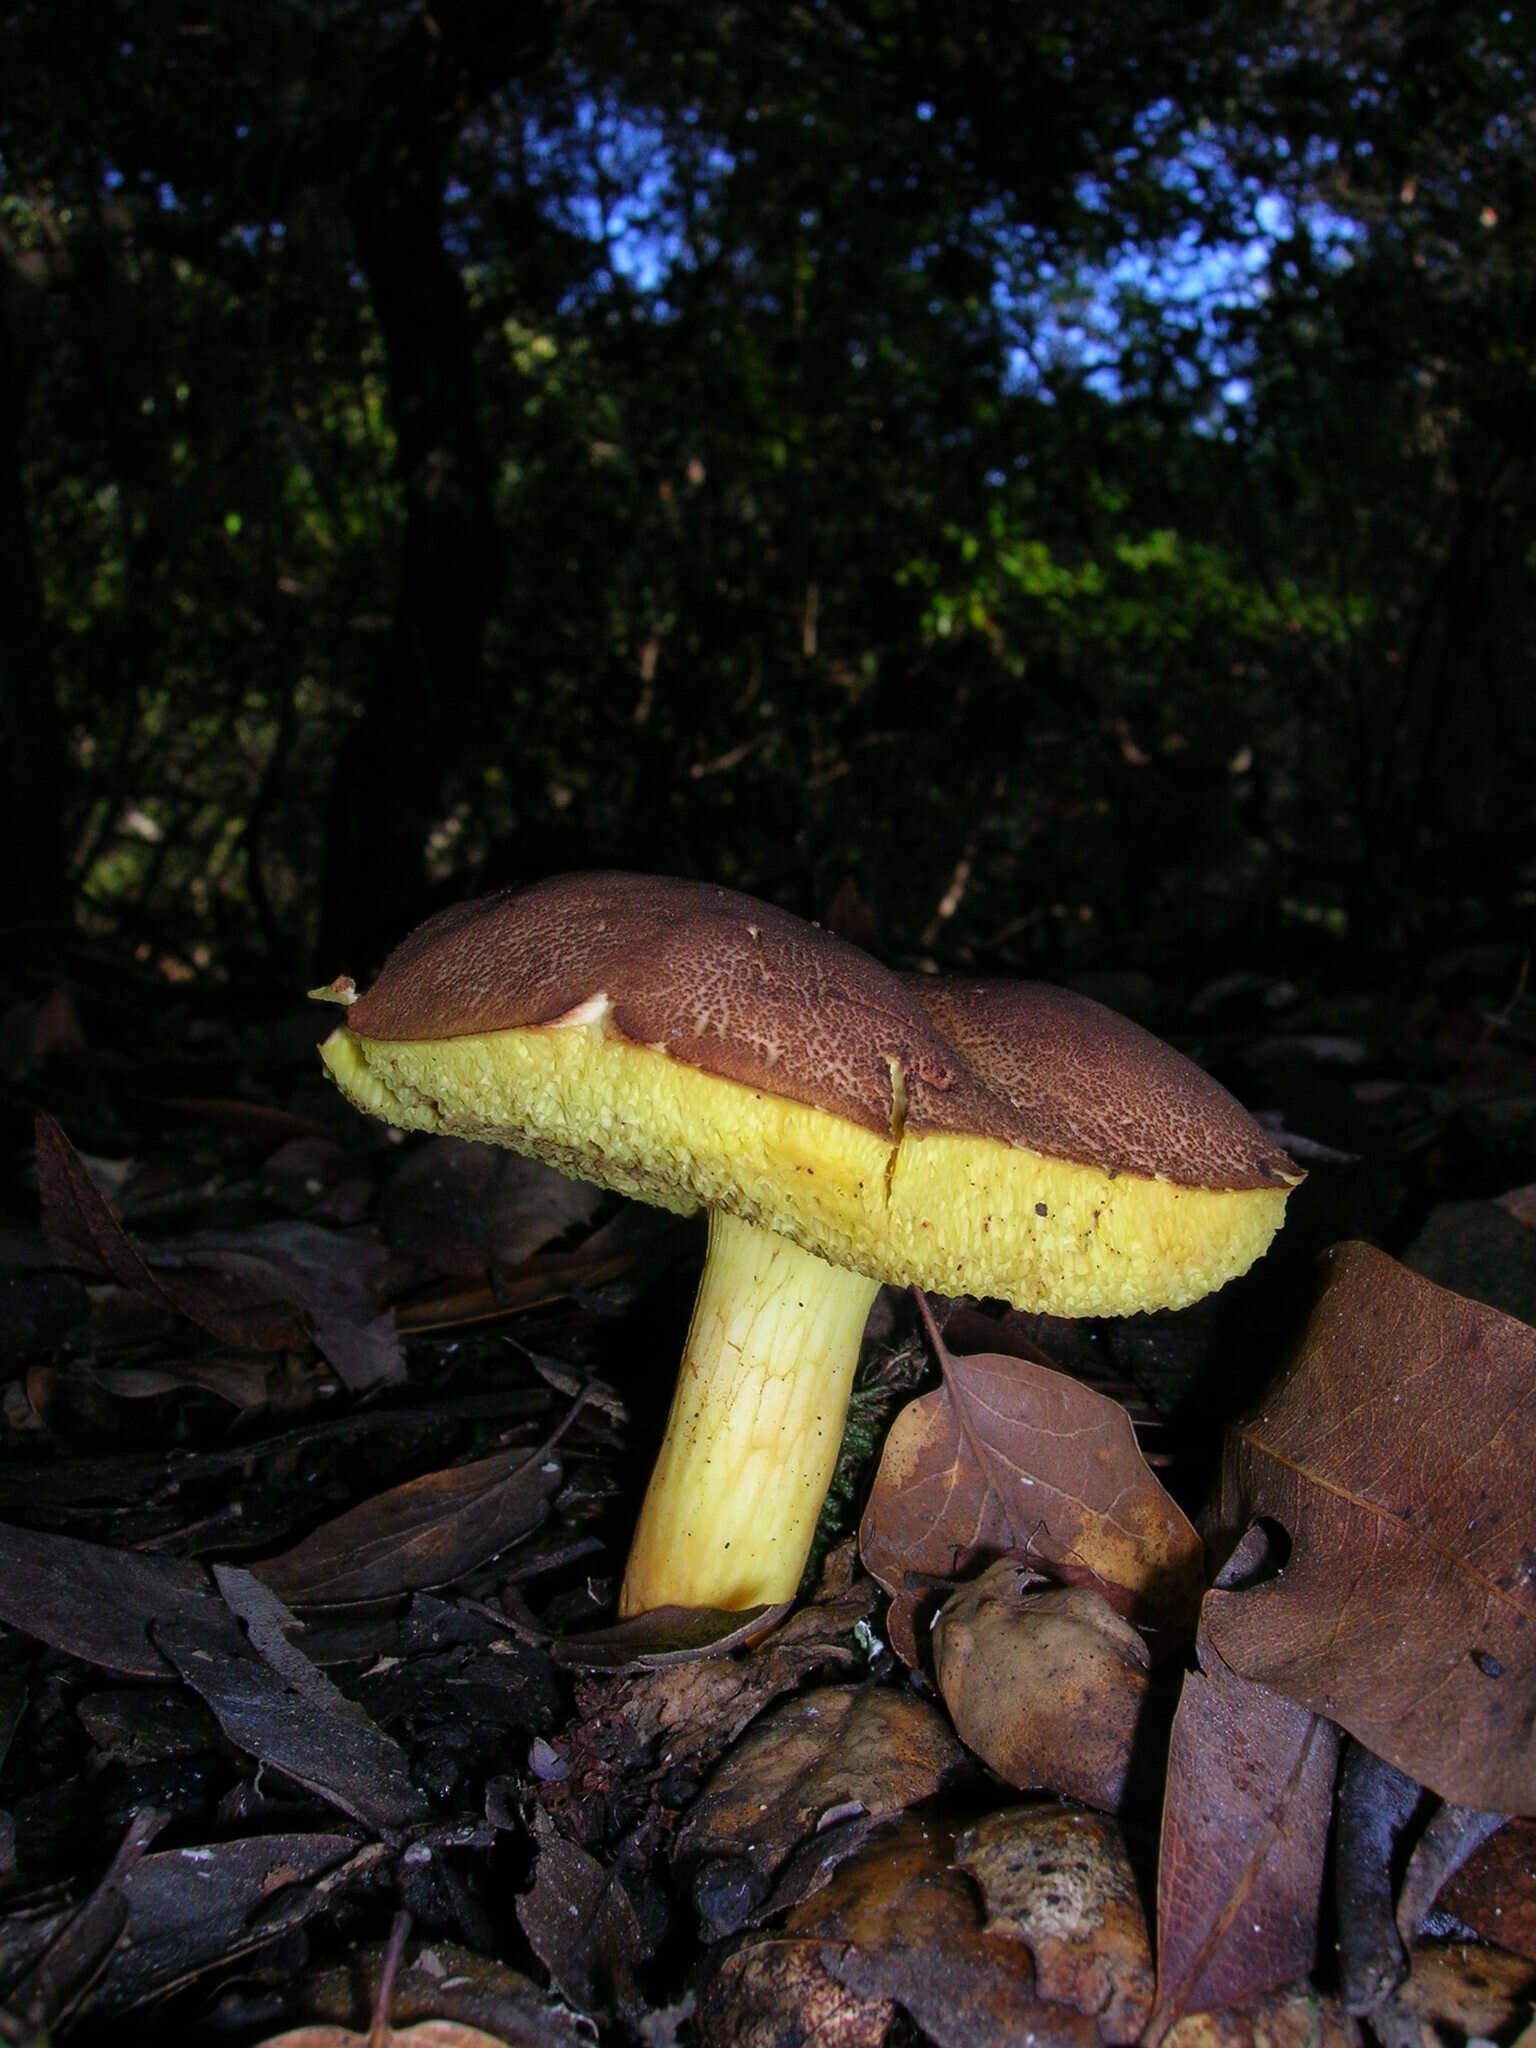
column 319, row 1450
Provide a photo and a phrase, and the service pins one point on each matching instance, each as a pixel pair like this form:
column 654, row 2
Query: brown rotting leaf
column 1061, row 1882
column 1245, row 1831
column 1045, row 1683
column 1010, row 1459
column 425, row 1533
column 1397, row 1454
column 1494, row 1892
column 898, row 1921
column 836, row 1751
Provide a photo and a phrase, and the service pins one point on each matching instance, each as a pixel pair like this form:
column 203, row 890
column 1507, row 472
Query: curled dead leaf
column 776, row 1994
column 1010, row 1459
column 899, row 1921
column 836, row 1751
column 1045, row 1684
column 1061, row 1883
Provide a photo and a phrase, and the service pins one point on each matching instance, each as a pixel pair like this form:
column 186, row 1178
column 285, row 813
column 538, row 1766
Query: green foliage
column 451, row 450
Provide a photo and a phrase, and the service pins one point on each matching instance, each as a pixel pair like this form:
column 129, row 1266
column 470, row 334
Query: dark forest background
column 1062, row 471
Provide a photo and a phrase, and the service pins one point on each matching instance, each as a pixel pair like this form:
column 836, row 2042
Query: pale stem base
column 756, row 1422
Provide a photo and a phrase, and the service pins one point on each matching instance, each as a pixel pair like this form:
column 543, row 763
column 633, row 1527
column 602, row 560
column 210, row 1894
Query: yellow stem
column 756, row 1422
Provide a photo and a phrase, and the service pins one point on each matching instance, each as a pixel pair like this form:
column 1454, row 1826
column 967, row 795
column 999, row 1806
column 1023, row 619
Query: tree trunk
column 419, row 711
column 34, row 759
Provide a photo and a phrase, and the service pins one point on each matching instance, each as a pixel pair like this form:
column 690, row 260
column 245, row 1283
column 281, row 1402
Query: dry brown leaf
column 664, row 1637
column 1010, row 1459
column 1495, row 1892
column 1062, row 1883
column 898, row 1921
column 467, row 1208
column 335, row 1281
column 248, row 1384
column 580, row 1923
column 1298, row 2018
column 94, row 1602
column 76, row 1953
column 1397, row 1453
column 1245, row 1831
column 1045, row 1684
column 422, row 1534
column 259, row 1125
column 83, row 1230
column 1467, row 1991
column 775, row 1994
column 274, row 1704
column 836, row 1751
column 637, row 1241
column 436, row 1982
column 203, row 1906
column 697, row 1706
column 271, row 1287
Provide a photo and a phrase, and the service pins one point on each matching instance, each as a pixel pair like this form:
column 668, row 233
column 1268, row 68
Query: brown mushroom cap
column 691, row 1045
column 1081, row 1082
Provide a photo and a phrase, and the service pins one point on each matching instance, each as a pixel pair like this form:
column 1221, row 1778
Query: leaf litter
column 383, row 1687
column 1010, row 1459
column 426, row 1533
column 1397, row 1453
column 1245, row 1832
column 1047, row 1684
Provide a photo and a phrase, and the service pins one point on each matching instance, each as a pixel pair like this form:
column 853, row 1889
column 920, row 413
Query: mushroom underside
column 958, row 1214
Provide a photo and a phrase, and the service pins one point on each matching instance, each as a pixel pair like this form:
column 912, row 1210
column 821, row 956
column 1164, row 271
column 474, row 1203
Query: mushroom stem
column 756, row 1422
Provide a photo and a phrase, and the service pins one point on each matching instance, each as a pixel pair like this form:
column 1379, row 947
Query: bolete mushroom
column 842, row 1125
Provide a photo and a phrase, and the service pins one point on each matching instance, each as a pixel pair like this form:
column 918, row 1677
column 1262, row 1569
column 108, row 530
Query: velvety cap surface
column 758, row 997
column 1081, row 1082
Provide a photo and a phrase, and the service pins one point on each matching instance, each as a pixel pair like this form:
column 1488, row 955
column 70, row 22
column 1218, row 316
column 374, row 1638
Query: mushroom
column 842, row 1125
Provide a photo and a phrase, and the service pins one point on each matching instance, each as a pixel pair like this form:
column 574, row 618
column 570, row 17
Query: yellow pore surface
column 959, row 1215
